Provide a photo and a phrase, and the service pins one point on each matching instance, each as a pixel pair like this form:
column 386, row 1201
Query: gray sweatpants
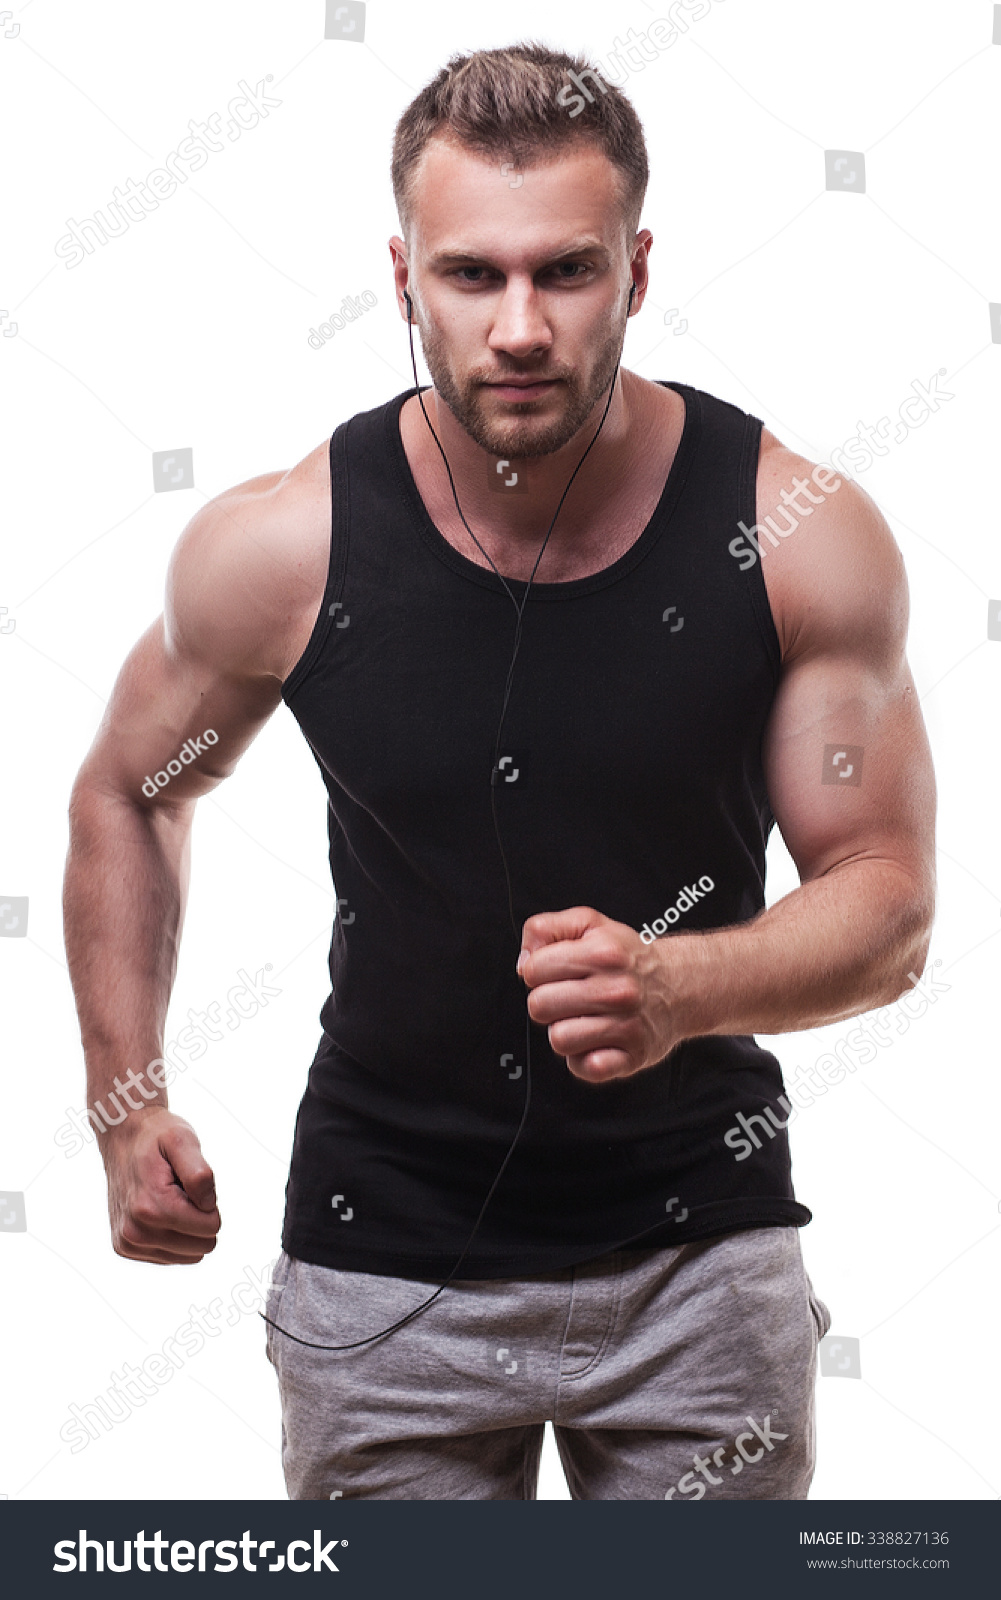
column 667, row 1374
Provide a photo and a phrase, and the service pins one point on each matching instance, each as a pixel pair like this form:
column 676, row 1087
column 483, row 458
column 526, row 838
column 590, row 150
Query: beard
column 519, row 434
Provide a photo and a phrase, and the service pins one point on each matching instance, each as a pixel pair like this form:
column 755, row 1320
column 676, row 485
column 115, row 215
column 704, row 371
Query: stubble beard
column 515, row 436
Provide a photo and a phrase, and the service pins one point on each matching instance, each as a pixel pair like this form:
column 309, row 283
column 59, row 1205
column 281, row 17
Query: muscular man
column 713, row 641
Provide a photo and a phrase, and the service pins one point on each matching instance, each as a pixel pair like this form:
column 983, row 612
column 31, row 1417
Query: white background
column 810, row 308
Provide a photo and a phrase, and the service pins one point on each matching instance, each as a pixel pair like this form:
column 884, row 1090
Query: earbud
column 410, row 306
column 632, row 291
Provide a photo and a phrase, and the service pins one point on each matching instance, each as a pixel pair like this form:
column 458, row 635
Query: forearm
column 835, row 947
column 123, row 903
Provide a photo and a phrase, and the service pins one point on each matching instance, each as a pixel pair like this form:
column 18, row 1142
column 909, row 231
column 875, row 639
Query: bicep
column 189, row 698
column 847, row 761
column 848, row 766
column 173, row 729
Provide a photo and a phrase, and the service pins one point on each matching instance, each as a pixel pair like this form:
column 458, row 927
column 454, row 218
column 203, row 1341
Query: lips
column 528, row 387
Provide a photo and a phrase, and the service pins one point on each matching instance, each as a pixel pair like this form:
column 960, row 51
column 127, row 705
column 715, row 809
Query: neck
column 518, row 517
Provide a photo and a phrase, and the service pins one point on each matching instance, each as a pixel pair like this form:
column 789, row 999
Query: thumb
column 180, row 1146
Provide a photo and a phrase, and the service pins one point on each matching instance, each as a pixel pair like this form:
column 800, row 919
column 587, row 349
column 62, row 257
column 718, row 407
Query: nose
column 520, row 327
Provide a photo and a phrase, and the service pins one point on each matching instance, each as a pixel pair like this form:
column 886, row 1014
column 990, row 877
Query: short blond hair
column 513, row 105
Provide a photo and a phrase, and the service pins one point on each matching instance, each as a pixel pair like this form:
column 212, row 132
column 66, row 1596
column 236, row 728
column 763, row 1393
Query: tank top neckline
column 640, row 547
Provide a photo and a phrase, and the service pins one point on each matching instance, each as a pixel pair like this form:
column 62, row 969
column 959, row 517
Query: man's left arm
column 847, row 939
column 862, row 840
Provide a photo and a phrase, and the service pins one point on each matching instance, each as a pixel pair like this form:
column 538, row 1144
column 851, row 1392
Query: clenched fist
column 605, row 995
column 161, row 1191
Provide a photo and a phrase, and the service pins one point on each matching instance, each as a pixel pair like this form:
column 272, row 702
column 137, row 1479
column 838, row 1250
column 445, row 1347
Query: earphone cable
column 520, row 612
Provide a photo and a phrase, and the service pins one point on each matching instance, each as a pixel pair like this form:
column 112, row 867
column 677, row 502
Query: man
column 565, row 801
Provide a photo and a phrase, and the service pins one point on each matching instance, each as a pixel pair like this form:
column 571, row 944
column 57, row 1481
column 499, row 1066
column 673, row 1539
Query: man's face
column 518, row 275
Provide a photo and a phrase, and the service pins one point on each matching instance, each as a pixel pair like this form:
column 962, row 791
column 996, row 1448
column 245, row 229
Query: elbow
column 89, row 804
column 910, row 948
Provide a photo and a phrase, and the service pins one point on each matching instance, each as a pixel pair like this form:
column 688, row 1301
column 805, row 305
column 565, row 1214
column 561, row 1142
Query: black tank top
column 633, row 779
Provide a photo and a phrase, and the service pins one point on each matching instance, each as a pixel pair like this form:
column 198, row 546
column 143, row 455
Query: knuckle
column 623, row 990
column 606, row 950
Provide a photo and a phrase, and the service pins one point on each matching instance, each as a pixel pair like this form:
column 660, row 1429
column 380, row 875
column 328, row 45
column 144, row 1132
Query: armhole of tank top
column 747, row 495
column 336, row 562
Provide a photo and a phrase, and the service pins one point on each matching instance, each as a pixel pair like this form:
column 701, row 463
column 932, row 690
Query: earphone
column 494, row 777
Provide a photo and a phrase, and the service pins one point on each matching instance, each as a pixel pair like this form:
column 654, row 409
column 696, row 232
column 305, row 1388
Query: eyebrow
column 578, row 247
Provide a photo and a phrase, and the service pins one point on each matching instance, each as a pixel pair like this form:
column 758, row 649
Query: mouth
column 522, row 388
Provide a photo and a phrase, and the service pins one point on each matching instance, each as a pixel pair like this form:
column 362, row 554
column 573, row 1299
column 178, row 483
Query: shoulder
column 833, row 571
column 247, row 575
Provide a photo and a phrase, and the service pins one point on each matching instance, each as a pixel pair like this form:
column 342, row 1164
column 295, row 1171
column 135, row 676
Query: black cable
column 519, row 612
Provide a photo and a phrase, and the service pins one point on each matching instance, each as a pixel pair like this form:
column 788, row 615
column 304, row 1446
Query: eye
column 564, row 271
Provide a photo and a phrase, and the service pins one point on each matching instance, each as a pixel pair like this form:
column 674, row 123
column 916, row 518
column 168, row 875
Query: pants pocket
column 273, row 1301
column 821, row 1315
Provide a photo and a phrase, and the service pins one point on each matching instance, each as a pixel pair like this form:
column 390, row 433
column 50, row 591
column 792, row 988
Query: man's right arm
column 242, row 592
